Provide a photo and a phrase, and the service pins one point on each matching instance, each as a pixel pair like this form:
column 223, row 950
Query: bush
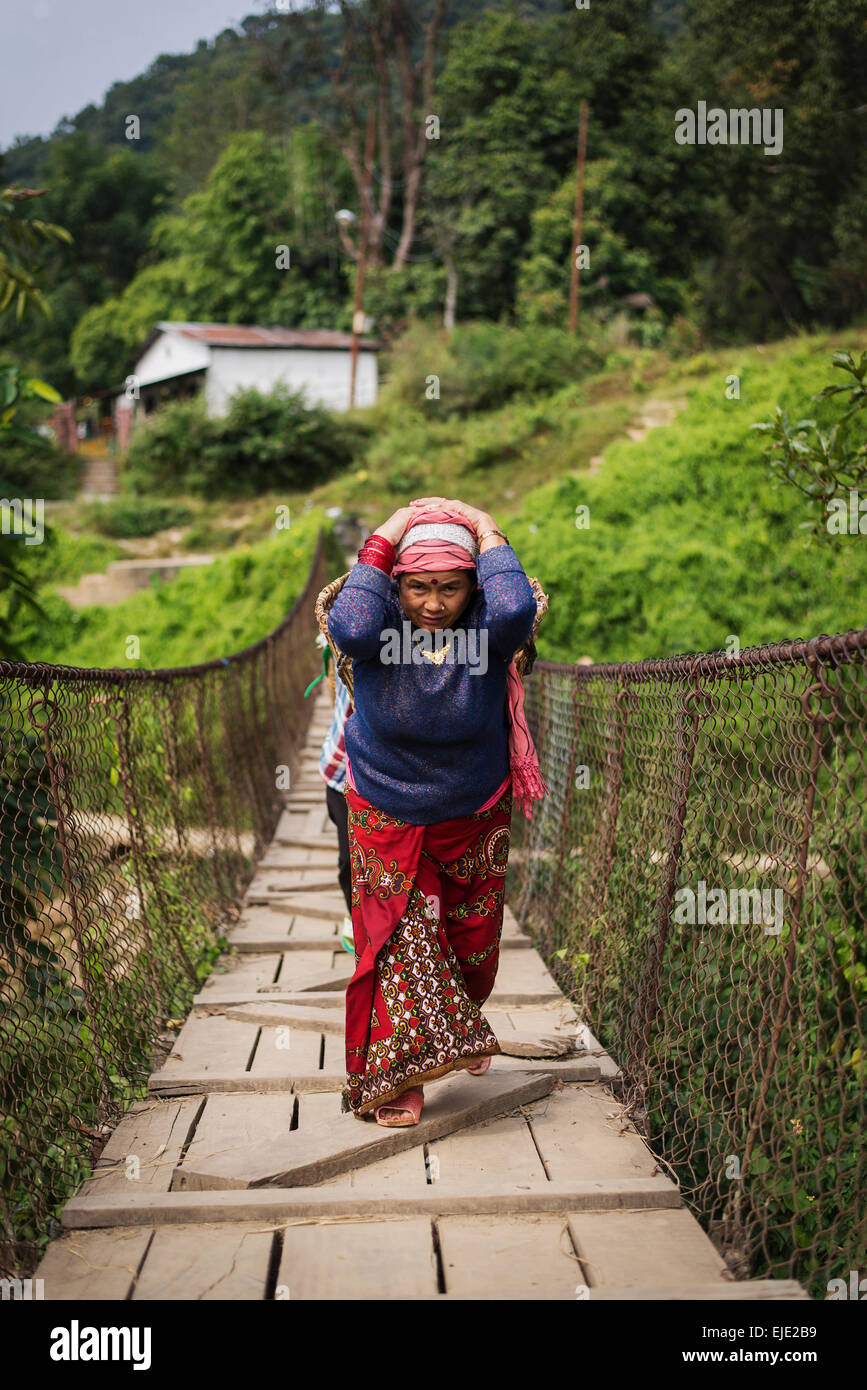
column 166, row 447
column 265, row 442
column 689, row 539
column 481, row 366
column 683, row 337
column 135, row 516
column 38, row 469
column 204, row 612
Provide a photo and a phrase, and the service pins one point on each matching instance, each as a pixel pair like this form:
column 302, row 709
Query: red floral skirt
column 427, row 916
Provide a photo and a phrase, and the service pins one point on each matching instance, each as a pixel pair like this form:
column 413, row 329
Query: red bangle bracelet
column 376, row 539
column 380, row 562
column 379, row 552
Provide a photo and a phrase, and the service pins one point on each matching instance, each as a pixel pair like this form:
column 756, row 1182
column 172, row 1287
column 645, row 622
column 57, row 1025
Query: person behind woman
column 437, row 746
column 332, row 766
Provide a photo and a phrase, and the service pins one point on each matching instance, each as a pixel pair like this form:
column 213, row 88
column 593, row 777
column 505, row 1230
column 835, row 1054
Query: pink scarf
column 431, row 553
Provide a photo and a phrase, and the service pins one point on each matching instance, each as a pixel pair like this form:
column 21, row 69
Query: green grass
column 689, row 539
column 201, row 614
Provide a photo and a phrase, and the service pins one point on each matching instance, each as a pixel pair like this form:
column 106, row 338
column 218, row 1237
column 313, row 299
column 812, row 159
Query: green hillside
column 689, row 540
column 203, row 613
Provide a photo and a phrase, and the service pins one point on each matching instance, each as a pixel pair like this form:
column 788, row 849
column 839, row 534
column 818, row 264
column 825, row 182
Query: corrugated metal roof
column 253, row 335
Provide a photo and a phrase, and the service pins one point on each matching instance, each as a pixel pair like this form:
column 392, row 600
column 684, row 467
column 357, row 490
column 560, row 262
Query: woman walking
column 437, row 747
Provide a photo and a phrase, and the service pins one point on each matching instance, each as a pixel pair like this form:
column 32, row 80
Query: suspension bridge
column 675, row 1112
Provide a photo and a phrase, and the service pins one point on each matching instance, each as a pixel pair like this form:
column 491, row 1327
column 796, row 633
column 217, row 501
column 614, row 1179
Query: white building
column 179, row 358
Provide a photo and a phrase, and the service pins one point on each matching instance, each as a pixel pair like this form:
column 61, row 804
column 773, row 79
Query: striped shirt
column 332, row 762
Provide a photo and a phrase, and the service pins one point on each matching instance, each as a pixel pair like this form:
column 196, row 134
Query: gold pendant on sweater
column 437, row 657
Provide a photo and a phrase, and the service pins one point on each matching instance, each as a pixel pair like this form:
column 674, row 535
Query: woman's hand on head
column 395, row 526
column 473, row 514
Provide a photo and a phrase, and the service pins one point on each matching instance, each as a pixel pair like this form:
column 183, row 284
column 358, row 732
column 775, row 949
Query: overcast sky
column 57, row 56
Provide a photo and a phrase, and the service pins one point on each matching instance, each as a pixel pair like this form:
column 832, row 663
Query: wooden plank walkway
column 240, row 1178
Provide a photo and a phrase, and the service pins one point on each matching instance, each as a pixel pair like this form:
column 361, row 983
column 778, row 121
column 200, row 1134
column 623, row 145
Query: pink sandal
column 407, row 1102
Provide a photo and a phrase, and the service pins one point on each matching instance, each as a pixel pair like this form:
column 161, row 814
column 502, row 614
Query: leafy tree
column 106, row 201
column 503, row 104
column 791, row 248
column 377, row 66
column 19, row 238
column 823, row 465
column 218, row 256
column 18, row 281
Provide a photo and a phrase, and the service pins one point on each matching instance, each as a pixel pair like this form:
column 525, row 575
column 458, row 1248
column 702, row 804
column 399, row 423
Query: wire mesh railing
column 133, row 807
column 696, row 879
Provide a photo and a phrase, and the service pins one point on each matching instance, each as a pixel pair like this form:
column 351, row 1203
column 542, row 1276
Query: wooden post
column 579, row 215
column 362, row 251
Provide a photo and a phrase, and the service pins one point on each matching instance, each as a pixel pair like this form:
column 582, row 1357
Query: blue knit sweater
column 430, row 742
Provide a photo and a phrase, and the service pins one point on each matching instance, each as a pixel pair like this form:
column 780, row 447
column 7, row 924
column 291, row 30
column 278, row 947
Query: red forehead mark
column 434, row 581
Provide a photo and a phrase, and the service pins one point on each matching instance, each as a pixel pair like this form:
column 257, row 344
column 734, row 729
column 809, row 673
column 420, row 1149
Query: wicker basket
column 524, row 656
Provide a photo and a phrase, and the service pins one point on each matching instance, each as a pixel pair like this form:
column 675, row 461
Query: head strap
column 439, row 531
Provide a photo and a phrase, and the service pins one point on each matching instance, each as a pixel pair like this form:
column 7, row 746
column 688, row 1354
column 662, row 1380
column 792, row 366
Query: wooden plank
column 283, row 860
column 94, row 1265
column 331, row 905
column 536, row 1045
column 295, row 924
column 317, row 930
column 337, row 980
column 271, row 927
column 620, row 1248
column 286, row 1051
column 249, row 973
column 266, row 1204
column 498, row 1020
column 294, row 1017
column 500, row 1150
column 749, row 1290
column 508, row 1256
column 566, row 1069
column 283, row 931
column 404, row 1173
column 317, row 817
column 293, row 824
column 313, row 878
column 506, row 999
column 270, row 884
column 263, row 929
column 212, row 1044
column 258, row 938
column 334, row 1060
column 313, row 962
column 578, row 1133
column 231, row 1125
column 323, row 1147
column 242, row 1082
column 322, row 999
column 523, row 973
column 145, row 1147
column 353, row 1260
column 331, row 1077
column 558, row 1017
column 206, row 1263
column 300, row 970
column 317, row 843
column 510, row 924
column 593, row 1048
column 281, row 857
column 254, row 940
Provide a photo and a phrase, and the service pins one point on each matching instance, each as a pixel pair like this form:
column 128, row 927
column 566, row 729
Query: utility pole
column 579, row 215
column 358, row 312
